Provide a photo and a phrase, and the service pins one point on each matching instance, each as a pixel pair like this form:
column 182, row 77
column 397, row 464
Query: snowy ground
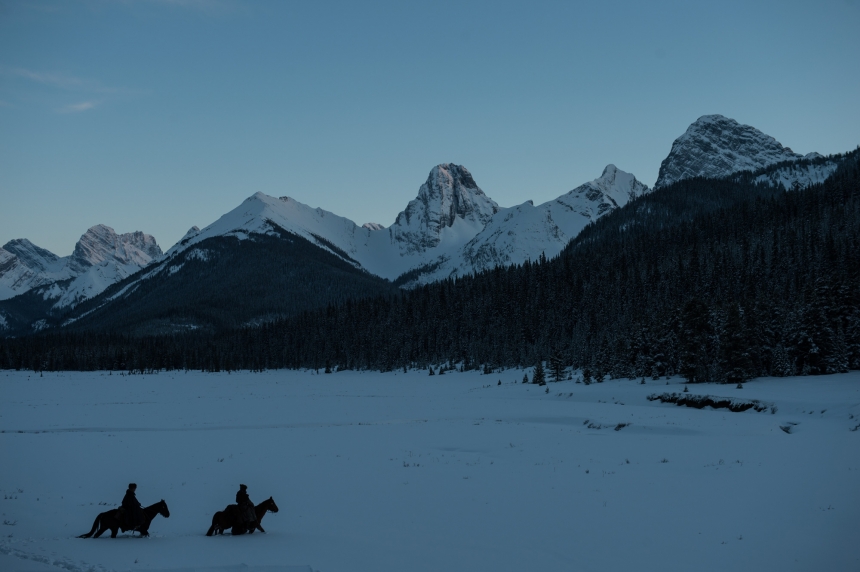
column 395, row 472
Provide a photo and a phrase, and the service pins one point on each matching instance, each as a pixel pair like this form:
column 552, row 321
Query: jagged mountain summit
column 715, row 146
column 102, row 244
column 451, row 228
column 23, row 266
column 101, row 258
column 450, row 210
column 524, row 232
column 449, row 206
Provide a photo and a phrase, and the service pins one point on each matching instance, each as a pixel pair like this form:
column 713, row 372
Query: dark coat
column 246, row 507
column 133, row 510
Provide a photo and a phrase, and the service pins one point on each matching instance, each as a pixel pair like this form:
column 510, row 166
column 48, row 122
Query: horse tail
column 214, row 522
column 95, row 527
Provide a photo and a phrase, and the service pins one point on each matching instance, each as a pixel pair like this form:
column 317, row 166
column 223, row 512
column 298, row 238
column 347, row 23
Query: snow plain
column 405, row 472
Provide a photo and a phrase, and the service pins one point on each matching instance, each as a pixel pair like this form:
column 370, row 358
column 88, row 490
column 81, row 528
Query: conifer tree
column 538, row 377
column 556, row 367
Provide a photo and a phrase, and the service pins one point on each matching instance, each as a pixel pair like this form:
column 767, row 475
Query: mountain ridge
column 715, row 146
column 450, row 229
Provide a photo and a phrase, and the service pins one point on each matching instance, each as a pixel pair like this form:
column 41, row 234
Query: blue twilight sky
column 157, row 115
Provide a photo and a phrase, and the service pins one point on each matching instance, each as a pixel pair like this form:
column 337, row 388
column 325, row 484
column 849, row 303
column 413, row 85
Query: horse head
column 270, row 505
column 163, row 510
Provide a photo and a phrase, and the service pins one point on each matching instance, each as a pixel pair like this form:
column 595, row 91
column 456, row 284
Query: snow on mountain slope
column 801, row 174
column 101, row 244
column 715, row 146
column 101, row 258
column 260, row 214
column 449, row 211
column 23, row 266
column 523, row 232
column 451, row 228
column 449, row 207
column 32, row 256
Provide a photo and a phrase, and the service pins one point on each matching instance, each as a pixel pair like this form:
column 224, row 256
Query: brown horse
column 110, row 521
column 231, row 518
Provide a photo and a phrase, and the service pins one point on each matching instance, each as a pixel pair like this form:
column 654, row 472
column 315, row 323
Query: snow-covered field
column 406, row 472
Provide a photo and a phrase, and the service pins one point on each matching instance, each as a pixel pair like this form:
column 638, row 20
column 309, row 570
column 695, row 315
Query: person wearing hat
column 246, row 507
column 132, row 510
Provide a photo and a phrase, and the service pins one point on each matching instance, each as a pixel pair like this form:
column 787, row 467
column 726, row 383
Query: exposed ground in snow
column 394, row 472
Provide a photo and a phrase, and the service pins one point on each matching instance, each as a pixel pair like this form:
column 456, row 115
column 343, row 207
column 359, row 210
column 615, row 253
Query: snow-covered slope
column 101, row 258
column 524, row 232
column 451, row 228
column 450, row 210
column 801, row 174
column 715, row 146
column 23, row 266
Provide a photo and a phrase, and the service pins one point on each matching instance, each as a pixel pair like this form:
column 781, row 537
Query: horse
column 231, row 518
column 111, row 520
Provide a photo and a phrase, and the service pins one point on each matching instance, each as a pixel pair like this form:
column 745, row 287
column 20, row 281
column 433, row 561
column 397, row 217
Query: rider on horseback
column 246, row 507
column 131, row 509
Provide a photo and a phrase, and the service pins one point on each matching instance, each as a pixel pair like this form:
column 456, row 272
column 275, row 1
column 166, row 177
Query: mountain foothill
column 740, row 262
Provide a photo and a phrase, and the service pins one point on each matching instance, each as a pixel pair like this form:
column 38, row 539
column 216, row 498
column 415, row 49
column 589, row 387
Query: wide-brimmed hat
column 132, row 486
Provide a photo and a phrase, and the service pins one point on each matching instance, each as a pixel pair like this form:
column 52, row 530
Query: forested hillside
column 718, row 280
column 222, row 283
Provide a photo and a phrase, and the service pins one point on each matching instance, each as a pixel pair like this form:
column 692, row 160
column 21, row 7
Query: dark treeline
column 717, row 280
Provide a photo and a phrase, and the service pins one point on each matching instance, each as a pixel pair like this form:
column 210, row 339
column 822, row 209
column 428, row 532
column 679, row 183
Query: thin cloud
column 62, row 81
column 79, row 107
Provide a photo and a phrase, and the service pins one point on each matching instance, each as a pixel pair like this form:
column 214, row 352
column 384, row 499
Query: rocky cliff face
column 30, row 255
column 100, row 244
column 101, row 258
column 23, row 266
column 715, row 146
column 449, row 202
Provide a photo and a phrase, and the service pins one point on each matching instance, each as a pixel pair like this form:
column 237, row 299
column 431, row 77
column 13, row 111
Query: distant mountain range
column 452, row 228
column 101, row 258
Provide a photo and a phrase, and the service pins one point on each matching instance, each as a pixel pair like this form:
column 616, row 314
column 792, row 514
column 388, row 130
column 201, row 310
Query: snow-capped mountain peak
column 612, row 189
column 101, row 243
column 715, row 146
column 525, row 231
column 32, row 256
column 449, row 199
column 101, row 258
column 23, row 266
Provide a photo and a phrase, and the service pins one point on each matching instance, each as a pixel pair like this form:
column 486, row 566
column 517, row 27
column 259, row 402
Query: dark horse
column 110, row 520
column 231, row 518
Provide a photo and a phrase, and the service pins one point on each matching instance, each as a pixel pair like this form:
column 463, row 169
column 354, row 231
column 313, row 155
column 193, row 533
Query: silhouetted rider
column 246, row 507
column 132, row 511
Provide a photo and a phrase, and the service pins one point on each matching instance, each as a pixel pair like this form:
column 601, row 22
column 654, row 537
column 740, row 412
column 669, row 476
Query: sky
column 156, row 115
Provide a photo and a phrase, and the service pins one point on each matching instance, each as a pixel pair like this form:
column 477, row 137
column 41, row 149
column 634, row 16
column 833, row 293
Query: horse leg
column 216, row 525
column 260, row 526
column 102, row 530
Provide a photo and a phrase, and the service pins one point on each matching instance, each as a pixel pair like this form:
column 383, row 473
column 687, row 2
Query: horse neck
column 261, row 508
column 151, row 510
